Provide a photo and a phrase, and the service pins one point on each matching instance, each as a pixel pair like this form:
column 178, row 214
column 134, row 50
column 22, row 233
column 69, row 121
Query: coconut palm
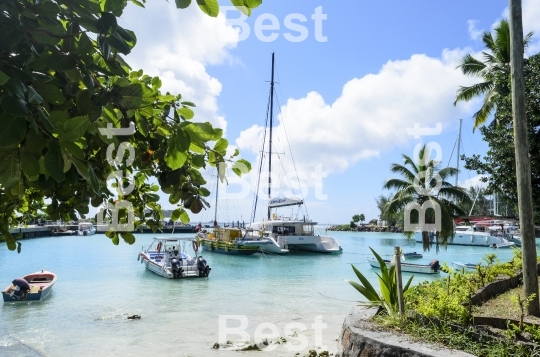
column 426, row 189
column 496, row 61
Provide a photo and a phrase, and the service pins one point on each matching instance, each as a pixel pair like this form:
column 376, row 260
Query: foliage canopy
column 64, row 90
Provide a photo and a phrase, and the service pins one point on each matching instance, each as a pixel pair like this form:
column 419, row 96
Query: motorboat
column 32, row 287
column 412, row 255
column 167, row 257
column 432, row 268
column 464, row 266
column 468, row 235
column 505, row 244
column 226, row 240
column 86, row 229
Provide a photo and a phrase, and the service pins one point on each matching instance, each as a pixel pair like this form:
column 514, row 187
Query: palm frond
column 470, row 66
column 476, row 90
column 481, row 116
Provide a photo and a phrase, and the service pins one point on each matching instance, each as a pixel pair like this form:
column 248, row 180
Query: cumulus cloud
column 370, row 116
column 475, row 33
column 178, row 47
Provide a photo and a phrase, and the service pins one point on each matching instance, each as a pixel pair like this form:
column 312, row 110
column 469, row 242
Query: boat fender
column 285, row 246
column 472, row 239
column 21, row 283
column 158, row 249
column 434, row 265
column 195, row 246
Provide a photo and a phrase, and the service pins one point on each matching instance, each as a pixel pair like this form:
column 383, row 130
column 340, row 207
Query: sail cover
column 283, row 202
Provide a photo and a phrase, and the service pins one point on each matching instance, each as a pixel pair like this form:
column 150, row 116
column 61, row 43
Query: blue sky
column 345, row 103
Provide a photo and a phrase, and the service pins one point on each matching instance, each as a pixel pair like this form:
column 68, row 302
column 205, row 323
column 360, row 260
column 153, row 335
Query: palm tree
column 496, row 61
column 409, row 192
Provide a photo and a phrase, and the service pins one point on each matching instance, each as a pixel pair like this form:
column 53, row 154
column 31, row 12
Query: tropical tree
column 362, row 218
column 76, row 120
column 356, row 218
column 422, row 184
column 496, row 61
column 392, row 220
column 498, row 165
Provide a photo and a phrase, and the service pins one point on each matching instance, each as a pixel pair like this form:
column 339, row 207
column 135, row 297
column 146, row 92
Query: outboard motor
column 176, row 265
column 203, row 267
column 21, row 289
column 435, row 266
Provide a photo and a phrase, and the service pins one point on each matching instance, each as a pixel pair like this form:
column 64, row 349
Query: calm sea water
column 100, row 284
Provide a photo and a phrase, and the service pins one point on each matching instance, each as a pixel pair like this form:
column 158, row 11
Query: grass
column 503, row 307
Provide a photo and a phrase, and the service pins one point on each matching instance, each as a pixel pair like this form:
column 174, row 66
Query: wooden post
column 523, row 164
column 399, row 283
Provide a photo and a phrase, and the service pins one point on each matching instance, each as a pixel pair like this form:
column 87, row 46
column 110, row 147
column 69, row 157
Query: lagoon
column 100, row 284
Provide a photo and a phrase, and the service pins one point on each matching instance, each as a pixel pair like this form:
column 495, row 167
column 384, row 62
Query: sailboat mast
column 458, row 149
column 270, row 136
column 217, row 190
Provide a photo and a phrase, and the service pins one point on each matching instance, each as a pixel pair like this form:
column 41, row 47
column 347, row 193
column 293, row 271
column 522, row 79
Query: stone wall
column 362, row 338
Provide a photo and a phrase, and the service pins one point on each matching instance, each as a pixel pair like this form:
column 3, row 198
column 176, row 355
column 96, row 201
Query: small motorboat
column 503, row 245
column 31, row 287
column 432, row 268
column 412, row 255
column 86, row 229
column 165, row 258
column 464, row 266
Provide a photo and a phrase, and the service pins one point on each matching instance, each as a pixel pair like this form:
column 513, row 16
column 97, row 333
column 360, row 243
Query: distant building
column 382, row 223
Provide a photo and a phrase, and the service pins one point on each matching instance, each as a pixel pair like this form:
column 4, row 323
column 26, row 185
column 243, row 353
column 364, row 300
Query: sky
column 351, row 76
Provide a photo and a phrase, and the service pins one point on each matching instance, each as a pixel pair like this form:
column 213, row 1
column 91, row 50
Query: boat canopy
column 284, row 202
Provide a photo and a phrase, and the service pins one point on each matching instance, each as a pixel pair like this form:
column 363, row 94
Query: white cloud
column 177, row 45
column 473, row 182
column 370, row 116
column 475, row 33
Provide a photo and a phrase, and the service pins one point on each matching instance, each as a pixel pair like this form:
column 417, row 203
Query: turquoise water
column 100, row 284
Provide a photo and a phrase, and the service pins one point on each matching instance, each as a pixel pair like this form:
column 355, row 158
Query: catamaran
column 279, row 234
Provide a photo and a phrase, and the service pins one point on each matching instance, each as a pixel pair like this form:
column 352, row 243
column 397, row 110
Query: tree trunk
column 523, row 165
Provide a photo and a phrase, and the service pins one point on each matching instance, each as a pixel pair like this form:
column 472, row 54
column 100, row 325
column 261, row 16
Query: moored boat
column 226, row 240
column 464, row 266
column 412, row 255
column 32, row 287
column 86, row 229
column 431, row 268
column 167, row 257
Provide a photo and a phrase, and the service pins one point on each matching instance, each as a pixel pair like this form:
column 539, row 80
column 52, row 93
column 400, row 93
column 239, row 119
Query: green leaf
column 84, row 102
column 209, row 7
column 136, row 96
column 175, row 158
column 241, row 167
column 175, row 215
column 3, row 78
column 75, row 128
column 184, row 217
column 12, row 131
column 50, row 93
column 200, row 132
column 189, row 104
column 96, row 187
column 72, row 149
column 82, row 168
column 32, row 96
column 9, row 168
column 29, row 164
column 128, row 237
column 35, row 143
column 182, row 4
column 186, row 113
column 54, row 162
column 107, row 23
column 221, row 145
column 60, row 62
column 14, row 106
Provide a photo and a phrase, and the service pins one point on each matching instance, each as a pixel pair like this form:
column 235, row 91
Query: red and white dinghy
column 32, row 287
